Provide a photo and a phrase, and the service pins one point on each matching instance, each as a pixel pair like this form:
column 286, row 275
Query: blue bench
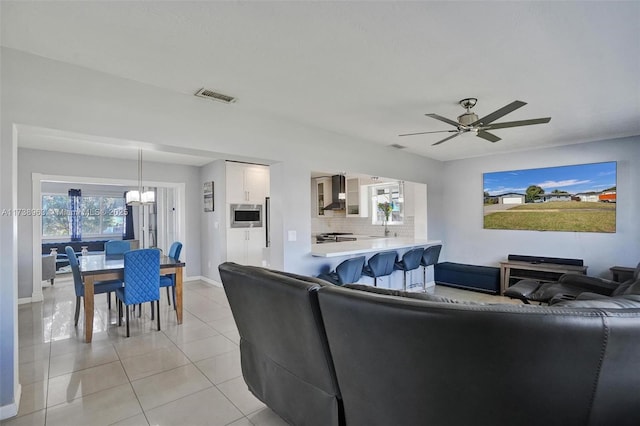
column 468, row 277
column 61, row 260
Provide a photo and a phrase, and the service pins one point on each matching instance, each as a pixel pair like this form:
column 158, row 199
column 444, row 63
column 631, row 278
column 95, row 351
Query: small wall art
column 208, row 197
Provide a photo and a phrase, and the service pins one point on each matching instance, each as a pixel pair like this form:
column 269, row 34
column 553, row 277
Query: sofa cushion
column 604, row 302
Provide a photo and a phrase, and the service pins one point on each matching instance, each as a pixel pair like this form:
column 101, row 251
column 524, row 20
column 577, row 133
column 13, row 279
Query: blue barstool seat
column 380, row 265
column 429, row 258
column 410, row 261
column 346, row 272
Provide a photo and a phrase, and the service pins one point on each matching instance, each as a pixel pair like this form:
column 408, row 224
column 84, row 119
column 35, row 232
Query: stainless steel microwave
column 246, row 216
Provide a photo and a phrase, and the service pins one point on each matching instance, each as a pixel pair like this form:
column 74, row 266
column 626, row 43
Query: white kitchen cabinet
column 246, row 245
column 357, row 205
column 247, row 183
column 323, row 196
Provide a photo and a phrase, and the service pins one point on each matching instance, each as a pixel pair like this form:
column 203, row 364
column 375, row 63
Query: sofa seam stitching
column 605, row 342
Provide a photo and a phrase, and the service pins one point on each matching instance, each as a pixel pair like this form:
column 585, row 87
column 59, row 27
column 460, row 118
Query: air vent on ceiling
column 397, row 146
column 210, row 94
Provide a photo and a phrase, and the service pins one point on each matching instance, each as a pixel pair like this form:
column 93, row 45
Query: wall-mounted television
column 575, row 198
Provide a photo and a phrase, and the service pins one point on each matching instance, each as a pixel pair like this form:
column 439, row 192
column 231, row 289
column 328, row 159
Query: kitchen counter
column 369, row 245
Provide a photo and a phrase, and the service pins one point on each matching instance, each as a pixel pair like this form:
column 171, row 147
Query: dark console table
column 622, row 273
column 540, row 271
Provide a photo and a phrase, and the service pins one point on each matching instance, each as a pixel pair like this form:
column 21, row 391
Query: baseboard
column 205, row 279
column 25, row 300
column 10, row 410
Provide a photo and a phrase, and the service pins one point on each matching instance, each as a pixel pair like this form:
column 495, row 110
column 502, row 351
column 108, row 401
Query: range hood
column 337, row 193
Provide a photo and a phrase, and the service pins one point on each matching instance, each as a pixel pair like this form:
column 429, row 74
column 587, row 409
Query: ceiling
column 369, row 70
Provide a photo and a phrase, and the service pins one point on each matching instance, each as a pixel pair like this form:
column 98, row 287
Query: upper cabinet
column 356, row 198
column 323, row 196
column 247, row 183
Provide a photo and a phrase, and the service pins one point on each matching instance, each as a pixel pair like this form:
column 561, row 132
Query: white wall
column 57, row 163
column 467, row 242
column 213, row 225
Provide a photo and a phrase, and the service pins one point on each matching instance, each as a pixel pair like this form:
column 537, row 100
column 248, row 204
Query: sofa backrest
column 284, row 353
column 97, row 245
column 404, row 361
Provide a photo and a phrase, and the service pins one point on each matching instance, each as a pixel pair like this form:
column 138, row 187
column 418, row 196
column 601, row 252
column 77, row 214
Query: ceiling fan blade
column 517, row 123
column 445, row 119
column 499, row 113
column 424, row 133
column 446, row 139
column 488, row 136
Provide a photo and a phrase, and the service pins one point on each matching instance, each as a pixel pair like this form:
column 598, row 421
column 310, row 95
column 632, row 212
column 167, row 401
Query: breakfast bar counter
column 368, row 245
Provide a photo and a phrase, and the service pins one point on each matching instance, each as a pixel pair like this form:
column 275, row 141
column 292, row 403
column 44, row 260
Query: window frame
column 85, row 235
column 399, row 206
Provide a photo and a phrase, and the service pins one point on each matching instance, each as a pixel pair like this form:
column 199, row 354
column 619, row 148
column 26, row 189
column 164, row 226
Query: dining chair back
column 175, row 250
column 98, row 287
column 141, row 281
column 410, row 261
column 169, row 280
column 115, row 247
column 380, row 265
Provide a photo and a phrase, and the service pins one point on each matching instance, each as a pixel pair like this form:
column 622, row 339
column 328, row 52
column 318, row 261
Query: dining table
column 96, row 267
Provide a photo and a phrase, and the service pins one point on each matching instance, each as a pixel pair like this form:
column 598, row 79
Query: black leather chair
column 402, row 361
column 410, row 261
column 380, row 265
column 429, row 258
column 568, row 287
column 284, row 353
column 346, row 272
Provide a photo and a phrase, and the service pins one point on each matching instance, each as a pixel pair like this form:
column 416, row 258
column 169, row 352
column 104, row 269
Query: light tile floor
column 186, row 374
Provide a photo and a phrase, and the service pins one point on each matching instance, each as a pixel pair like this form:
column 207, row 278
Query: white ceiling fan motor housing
column 467, row 118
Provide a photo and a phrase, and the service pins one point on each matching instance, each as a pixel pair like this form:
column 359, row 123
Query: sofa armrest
column 592, row 284
column 48, row 267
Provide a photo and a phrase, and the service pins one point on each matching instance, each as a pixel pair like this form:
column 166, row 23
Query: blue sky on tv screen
column 572, row 179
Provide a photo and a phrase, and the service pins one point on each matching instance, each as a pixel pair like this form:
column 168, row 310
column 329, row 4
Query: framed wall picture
column 574, row 198
column 208, row 197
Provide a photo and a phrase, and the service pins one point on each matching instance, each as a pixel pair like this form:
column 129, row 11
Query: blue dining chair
column 380, row 265
column 98, row 287
column 410, row 261
column 141, row 281
column 115, row 247
column 169, row 280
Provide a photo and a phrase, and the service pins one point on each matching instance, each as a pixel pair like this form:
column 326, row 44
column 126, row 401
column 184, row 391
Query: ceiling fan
column 469, row 121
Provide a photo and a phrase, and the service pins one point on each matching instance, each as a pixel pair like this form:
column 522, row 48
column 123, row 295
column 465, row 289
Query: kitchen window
column 389, row 194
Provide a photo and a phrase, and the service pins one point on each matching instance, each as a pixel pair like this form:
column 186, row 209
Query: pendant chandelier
column 140, row 197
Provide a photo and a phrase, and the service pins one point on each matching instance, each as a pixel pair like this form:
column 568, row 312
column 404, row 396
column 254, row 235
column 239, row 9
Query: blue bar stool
column 430, row 257
column 410, row 261
column 380, row 265
column 346, row 272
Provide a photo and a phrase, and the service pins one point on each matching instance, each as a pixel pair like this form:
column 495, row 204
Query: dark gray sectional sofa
column 319, row 354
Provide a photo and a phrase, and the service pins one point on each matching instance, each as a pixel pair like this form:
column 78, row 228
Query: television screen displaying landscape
column 579, row 198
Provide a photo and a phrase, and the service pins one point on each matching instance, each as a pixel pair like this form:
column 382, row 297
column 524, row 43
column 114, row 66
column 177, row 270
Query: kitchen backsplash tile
column 360, row 226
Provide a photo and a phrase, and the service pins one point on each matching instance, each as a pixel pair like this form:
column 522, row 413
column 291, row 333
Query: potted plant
column 385, row 208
